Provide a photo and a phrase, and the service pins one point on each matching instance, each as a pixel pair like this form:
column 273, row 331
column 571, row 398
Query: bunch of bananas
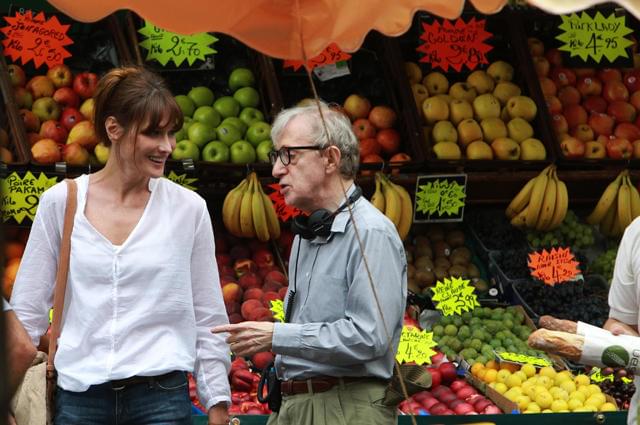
column 617, row 207
column 395, row 202
column 247, row 212
column 541, row 204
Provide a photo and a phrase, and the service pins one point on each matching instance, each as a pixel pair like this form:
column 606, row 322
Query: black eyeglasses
column 284, row 153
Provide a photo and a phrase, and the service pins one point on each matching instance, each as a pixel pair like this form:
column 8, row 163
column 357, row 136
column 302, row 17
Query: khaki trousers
column 354, row 403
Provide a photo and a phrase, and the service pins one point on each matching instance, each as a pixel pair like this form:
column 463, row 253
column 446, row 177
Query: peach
column 626, row 130
column 235, row 318
column 276, row 276
column 248, row 306
column 547, row 86
column 553, row 104
column 271, row 286
column 231, row 292
column 282, row 292
column 602, row 124
column 245, row 265
column 634, row 99
column 559, row 124
column 596, row 104
column 253, row 294
column 562, row 76
column 622, row 111
column 262, row 257
column 250, row 280
column 615, row 90
column 262, row 360
column 259, row 313
column 569, row 96
column 268, row 297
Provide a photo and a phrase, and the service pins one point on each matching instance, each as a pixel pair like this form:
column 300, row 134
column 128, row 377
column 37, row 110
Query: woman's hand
column 219, row 415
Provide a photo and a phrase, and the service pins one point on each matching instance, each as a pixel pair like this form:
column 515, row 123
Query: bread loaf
column 553, row 324
column 565, row 344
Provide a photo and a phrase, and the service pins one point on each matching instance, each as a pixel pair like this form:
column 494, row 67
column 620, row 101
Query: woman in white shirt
column 143, row 288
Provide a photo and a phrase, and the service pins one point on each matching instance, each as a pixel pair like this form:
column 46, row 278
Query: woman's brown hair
column 135, row 97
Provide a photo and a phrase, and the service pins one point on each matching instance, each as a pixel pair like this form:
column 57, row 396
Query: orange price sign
column 554, row 266
column 330, row 55
column 455, row 45
column 35, row 38
column 284, row 211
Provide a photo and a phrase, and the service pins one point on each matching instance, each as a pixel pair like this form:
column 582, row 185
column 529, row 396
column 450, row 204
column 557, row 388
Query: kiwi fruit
column 455, row 238
column 442, row 262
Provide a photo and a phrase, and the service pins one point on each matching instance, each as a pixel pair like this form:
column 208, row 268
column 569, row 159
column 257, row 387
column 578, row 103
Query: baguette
column 553, row 324
column 565, row 344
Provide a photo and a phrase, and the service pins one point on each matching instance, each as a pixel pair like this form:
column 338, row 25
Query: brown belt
column 320, row 384
column 120, row 384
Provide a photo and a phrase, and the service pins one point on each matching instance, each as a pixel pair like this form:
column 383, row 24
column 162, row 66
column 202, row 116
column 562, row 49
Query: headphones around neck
column 319, row 222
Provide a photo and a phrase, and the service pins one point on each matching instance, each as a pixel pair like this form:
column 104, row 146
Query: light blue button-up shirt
column 336, row 326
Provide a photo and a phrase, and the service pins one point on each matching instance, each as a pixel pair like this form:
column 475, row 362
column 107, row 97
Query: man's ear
column 333, row 156
column 113, row 128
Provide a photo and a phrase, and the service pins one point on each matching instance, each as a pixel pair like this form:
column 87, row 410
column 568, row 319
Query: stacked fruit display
column 594, row 112
column 542, row 203
column 618, row 206
column 57, row 112
column 604, row 264
column 485, row 117
column 14, row 244
column 543, row 390
column 571, row 232
column 248, row 212
column 440, row 252
column 249, row 277
column 450, row 397
column 6, row 155
column 618, row 383
column 373, row 126
column 244, row 389
column 395, row 202
column 476, row 335
column 226, row 129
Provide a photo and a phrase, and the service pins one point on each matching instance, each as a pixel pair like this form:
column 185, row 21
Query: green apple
column 242, row 152
column 201, row 96
column 228, row 134
column 251, row 115
column 207, row 115
column 215, row 152
column 181, row 134
column 241, row 77
column 258, row 132
column 102, row 152
column 185, row 104
column 227, row 106
column 201, row 134
column 186, row 149
column 263, row 149
column 247, row 96
column 237, row 123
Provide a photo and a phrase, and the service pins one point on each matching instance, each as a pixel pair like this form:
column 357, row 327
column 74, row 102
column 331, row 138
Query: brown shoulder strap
column 63, row 271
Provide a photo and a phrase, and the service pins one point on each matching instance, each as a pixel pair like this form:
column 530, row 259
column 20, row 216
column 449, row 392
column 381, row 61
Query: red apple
column 16, row 75
column 52, row 129
column 75, row 155
column 554, row 57
column 627, row 131
column 40, row 86
column 436, row 377
column 632, row 80
column 622, row 111
column 602, row 124
column 575, row 115
column 389, row 140
column 382, row 117
column 589, row 86
column 23, row 97
column 263, row 258
column 448, row 372
column 32, row 138
column 66, row 98
column 547, row 86
column 553, row 104
column 482, row 404
column 465, row 392
column 85, row 84
column 609, row 74
column 30, row 120
column 46, row 151
column 615, row 90
column 492, row 410
column 584, row 72
column 458, row 384
column 559, row 124
column 84, row 134
column 619, row 148
column 634, row 99
column 438, row 409
column 569, row 95
column 463, row 409
column 562, row 76
column 363, row 129
column 356, row 107
column 596, row 104
column 583, row 132
column 541, row 65
column 369, row 146
column 428, row 403
column 60, row 75
column 572, row 148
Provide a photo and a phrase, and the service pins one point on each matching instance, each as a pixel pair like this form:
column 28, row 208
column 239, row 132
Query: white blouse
column 145, row 307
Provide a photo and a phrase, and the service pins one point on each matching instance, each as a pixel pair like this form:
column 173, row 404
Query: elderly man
column 348, row 282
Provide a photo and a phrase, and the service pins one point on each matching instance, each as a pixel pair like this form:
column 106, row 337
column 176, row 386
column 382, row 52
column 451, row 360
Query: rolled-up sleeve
column 623, row 293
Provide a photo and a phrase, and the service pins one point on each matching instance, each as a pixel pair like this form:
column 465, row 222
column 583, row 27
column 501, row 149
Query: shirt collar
column 341, row 219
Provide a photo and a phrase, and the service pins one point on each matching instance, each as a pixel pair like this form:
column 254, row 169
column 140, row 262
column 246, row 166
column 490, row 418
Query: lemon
column 502, row 376
column 531, row 392
column 533, row 408
column 544, row 399
column 559, row 405
column 547, row 411
column 561, row 377
column 513, row 381
column 577, row 395
column 595, row 400
column 520, row 374
column 594, row 389
column 513, row 393
column 582, row 380
column 574, row 404
column 558, row 393
column 608, row 407
column 529, row 370
column 568, row 386
column 585, row 390
column 547, row 371
column 490, row 375
column 522, row 402
column 500, row 387
column 545, row 381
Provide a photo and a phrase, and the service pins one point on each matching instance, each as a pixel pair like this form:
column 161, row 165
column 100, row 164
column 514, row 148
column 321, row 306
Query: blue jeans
column 165, row 402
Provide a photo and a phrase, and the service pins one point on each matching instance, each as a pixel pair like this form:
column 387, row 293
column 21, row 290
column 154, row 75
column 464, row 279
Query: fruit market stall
column 476, row 164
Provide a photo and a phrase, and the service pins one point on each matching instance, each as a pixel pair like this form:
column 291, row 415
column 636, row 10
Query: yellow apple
column 468, row 131
column 500, row 71
column 505, row 91
column 413, row 71
column 435, row 109
column 522, row 107
column 444, row 131
column 481, row 81
column 459, row 110
column 505, row 148
column 486, row 106
column 493, row 128
column 463, row 91
column 420, row 93
column 436, row 83
column 447, row 150
column 519, row 130
column 532, row 150
column 479, row 150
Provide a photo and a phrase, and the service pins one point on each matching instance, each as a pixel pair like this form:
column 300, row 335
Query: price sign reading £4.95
column 454, row 296
column 595, row 37
column 415, row 346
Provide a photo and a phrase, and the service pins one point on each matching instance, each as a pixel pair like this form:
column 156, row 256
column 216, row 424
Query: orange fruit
column 492, row 364
column 13, row 249
column 511, row 367
column 477, row 367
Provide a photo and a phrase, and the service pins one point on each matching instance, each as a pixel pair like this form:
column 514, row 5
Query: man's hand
column 616, row 327
column 248, row 338
column 11, row 420
column 218, row 414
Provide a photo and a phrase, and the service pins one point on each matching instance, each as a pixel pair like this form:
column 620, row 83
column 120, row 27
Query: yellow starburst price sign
column 454, row 296
column 415, row 346
column 183, row 180
column 164, row 46
column 277, row 308
column 440, row 198
column 594, row 37
column 21, row 195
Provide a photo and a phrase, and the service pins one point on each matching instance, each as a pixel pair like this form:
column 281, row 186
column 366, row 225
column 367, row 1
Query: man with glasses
column 345, row 305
